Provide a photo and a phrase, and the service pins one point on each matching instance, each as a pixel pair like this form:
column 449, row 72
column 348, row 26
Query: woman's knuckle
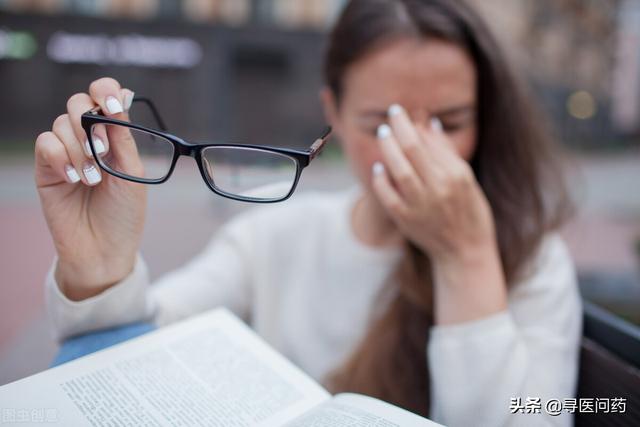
column 109, row 81
column 41, row 141
column 94, row 85
column 412, row 149
column 43, row 136
column 443, row 192
column 404, row 178
column 394, row 207
column 60, row 121
column 404, row 214
column 102, row 83
column 45, row 146
column 76, row 98
column 464, row 175
column 457, row 177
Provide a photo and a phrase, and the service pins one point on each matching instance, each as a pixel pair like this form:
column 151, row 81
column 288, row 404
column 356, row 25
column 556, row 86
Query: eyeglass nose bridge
column 187, row 149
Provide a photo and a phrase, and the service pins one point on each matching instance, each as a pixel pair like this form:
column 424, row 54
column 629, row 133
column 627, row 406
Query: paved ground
column 600, row 238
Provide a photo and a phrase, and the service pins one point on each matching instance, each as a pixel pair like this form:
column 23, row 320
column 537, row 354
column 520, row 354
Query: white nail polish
column 98, row 145
column 384, row 131
column 378, row 168
column 113, row 105
column 394, row 109
column 436, row 124
column 72, row 174
column 92, row 174
column 87, row 148
column 128, row 100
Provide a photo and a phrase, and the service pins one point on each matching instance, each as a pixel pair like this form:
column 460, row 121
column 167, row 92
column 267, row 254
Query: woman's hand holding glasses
column 89, row 168
column 96, row 220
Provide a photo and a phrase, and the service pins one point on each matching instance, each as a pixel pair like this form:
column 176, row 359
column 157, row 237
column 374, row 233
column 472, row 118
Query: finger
column 53, row 164
column 400, row 169
column 106, row 92
column 77, row 105
column 389, row 197
column 127, row 98
column 409, row 140
column 99, row 140
column 127, row 101
column 436, row 135
column 438, row 147
column 100, row 132
column 446, row 161
column 88, row 170
column 436, row 125
column 124, row 156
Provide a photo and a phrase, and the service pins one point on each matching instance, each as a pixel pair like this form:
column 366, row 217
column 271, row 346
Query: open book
column 209, row 370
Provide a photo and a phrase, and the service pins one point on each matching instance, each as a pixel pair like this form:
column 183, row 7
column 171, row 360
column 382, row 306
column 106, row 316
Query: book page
column 355, row 410
column 210, row 370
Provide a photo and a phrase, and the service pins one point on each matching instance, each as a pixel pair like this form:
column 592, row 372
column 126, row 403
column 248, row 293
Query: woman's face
column 429, row 78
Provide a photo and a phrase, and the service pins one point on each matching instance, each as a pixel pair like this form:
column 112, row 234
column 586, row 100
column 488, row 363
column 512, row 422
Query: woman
column 437, row 283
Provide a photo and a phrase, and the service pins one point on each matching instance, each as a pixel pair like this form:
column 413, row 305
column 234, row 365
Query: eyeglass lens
column 237, row 171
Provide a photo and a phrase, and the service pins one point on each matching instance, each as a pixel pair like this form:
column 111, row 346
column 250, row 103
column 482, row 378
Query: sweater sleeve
column 531, row 350
column 219, row 275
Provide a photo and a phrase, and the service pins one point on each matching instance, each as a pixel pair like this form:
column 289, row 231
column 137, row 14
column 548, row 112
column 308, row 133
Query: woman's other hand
column 432, row 196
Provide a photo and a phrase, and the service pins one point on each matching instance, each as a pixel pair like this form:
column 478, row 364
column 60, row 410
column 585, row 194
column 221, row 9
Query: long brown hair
column 513, row 164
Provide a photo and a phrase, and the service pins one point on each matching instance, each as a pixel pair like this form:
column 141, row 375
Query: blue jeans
column 82, row 345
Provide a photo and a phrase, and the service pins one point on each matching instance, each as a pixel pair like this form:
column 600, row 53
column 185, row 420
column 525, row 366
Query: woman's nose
column 421, row 117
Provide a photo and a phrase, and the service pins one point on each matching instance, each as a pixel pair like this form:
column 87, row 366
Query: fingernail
column 394, row 109
column 378, row 168
column 97, row 144
column 436, row 124
column 128, row 100
column 87, row 148
column 384, row 131
column 72, row 174
column 91, row 173
column 113, row 105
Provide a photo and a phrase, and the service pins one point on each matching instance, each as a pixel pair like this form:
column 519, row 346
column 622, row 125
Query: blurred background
column 250, row 70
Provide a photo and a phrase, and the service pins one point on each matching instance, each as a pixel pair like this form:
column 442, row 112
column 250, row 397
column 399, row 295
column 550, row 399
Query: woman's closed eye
column 451, row 126
column 453, row 119
column 457, row 119
column 372, row 129
column 369, row 121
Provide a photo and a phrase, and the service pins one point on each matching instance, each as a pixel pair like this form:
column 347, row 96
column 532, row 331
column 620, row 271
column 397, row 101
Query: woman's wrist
column 467, row 256
column 469, row 285
column 79, row 283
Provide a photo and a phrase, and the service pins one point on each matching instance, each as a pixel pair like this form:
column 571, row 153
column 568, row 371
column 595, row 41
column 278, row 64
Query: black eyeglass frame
column 302, row 158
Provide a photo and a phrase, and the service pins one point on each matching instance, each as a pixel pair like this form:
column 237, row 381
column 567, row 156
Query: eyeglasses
column 245, row 172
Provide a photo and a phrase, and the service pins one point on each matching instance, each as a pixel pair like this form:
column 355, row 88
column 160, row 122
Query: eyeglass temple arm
column 152, row 107
column 319, row 143
column 154, row 111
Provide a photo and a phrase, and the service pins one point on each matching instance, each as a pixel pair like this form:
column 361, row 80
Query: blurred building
column 289, row 13
column 626, row 83
column 583, row 58
column 241, row 70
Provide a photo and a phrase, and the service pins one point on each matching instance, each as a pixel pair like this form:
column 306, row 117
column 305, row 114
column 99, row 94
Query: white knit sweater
column 296, row 272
